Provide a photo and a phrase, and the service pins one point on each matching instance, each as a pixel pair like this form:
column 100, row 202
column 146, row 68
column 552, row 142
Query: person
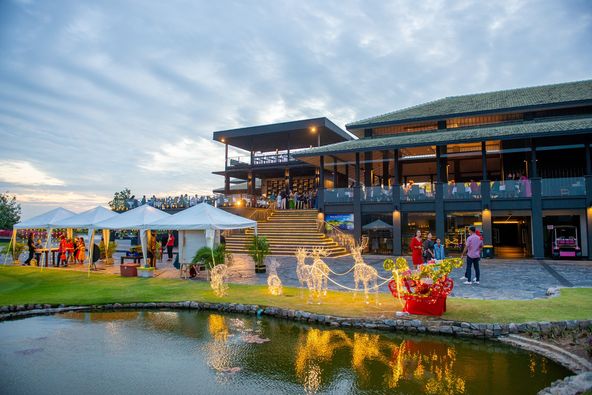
column 81, row 252
column 152, row 249
column 428, row 248
column 169, row 245
column 62, row 251
column 438, row 250
column 416, row 248
column 525, row 186
column 473, row 247
column 70, row 250
column 31, row 246
column 38, row 246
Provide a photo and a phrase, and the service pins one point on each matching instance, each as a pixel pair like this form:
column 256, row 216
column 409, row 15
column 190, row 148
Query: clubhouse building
column 516, row 164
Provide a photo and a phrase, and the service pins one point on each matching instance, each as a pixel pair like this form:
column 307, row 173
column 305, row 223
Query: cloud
column 24, row 173
column 112, row 95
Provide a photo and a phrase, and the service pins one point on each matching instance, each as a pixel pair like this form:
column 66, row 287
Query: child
column 438, row 250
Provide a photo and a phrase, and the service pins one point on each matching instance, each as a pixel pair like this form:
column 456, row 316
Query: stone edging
column 401, row 324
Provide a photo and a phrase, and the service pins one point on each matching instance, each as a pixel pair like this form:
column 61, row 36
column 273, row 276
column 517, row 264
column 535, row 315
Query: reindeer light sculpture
column 274, row 283
column 217, row 276
column 320, row 272
column 364, row 273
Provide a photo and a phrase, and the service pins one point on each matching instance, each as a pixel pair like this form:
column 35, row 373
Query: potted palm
column 107, row 253
column 14, row 251
column 259, row 250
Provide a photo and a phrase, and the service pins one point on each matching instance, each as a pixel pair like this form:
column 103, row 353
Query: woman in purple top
column 473, row 247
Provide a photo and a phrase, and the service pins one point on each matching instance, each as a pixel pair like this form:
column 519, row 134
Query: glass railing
column 462, row 191
column 239, row 161
column 571, row 186
column 338, row 195
column 511, row 189
column 377, row 194
column 417, row 192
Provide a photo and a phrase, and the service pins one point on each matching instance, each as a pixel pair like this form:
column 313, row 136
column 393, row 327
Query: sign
column 341, row 221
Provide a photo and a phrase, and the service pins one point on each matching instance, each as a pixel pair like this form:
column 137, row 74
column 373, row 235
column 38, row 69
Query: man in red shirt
column 169, row 245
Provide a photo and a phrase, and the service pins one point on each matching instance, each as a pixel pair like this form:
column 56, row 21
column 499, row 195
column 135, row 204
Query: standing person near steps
column 169, row 245
column 473, row 248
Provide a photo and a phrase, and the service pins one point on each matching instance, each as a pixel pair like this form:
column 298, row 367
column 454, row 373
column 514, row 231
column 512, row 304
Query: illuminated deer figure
column 303, row 271
column 364, row 273
column 217, row 276
column 320, row 272
column 274, row 283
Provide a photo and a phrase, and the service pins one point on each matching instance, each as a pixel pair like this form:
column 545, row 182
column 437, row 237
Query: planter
column 129, row 269
column 145, row 272
column 259, row 268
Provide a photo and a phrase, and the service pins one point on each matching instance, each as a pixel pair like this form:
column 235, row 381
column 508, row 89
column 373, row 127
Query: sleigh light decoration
column 424, row 289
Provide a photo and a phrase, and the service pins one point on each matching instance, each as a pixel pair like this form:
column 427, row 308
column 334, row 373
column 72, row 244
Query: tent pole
column 47, row 245
column 91, row 243
column 10, row 243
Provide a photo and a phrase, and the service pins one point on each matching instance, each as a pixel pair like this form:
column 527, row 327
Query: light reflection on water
column 181, row 352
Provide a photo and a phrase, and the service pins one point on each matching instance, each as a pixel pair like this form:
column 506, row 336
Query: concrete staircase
column 286, row 230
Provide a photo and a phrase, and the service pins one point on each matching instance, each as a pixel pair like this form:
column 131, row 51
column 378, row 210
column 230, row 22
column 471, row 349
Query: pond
column 203, row 352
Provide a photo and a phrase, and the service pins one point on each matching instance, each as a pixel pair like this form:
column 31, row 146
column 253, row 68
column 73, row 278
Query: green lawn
column 25, row 285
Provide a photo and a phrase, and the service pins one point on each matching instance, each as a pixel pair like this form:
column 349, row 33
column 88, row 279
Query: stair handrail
column 344, row 240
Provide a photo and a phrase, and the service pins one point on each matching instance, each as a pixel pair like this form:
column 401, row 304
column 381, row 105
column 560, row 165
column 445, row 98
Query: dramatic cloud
column 24, row 173
column 98, row 96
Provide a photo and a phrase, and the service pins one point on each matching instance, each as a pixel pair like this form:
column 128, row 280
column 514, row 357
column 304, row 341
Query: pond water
column 156, row 352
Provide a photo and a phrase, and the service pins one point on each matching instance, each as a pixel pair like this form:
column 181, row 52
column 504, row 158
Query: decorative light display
column 218, row 276
column 364, row 273
column 274, row 283
column 424, row 289
column 320, row 272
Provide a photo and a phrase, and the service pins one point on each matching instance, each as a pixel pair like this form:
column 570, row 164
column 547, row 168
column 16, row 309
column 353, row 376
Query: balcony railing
column 377, row 194
column 418, row 192
column 462, row 191
column 511, row 189
column 260, row 160
column 572, row 186
column 338, row 195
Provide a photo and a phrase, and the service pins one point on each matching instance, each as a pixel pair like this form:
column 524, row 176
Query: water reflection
column 232, row 354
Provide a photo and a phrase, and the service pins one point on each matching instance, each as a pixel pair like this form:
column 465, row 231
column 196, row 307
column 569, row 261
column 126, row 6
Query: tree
column 10, row 211
column 119, row 200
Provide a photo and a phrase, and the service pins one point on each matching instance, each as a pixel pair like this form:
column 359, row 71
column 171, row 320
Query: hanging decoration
column 274, row 283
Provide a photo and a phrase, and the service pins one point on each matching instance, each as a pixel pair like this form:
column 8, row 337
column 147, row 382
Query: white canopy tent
column 135, row 219
column 202, row 217
column 89, row 220
column 47, row 221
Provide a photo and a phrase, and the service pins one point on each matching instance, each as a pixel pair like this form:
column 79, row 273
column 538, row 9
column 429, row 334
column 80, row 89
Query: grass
column 25, row 285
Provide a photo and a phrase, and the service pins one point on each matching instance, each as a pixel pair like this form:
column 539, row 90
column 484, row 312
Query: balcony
column 563, row 187
column 377, row 194
column 338, row 195
column 511, row 189
column 419, row 191
column 260, row 160
column 462, row 191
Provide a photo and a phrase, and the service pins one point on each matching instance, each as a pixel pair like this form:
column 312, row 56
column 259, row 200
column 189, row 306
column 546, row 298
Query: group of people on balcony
column 294, row 200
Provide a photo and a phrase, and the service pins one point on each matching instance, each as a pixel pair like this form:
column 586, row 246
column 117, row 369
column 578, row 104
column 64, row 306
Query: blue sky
column 97, row 96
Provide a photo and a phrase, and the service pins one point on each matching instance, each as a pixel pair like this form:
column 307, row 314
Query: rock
column 570, row 385
column 447, row 329
column 416, row 323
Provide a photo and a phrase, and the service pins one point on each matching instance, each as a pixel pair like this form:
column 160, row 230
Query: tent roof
column 200, row 217
column 46, row 220
column 133, row 219
column 377, row 225
column 87, row 219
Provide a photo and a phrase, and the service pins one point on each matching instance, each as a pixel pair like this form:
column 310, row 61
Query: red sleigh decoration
column 422, row 298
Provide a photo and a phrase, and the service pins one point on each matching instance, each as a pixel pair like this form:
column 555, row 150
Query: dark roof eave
column 439, row 142
column 357, row 126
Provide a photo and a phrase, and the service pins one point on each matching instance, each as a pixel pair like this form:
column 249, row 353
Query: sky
column 96, row 96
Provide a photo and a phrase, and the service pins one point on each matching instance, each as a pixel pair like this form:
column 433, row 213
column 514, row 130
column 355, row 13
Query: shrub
column 204, row 256
column 16, row 252
column 110, row 249
column 258, row 250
